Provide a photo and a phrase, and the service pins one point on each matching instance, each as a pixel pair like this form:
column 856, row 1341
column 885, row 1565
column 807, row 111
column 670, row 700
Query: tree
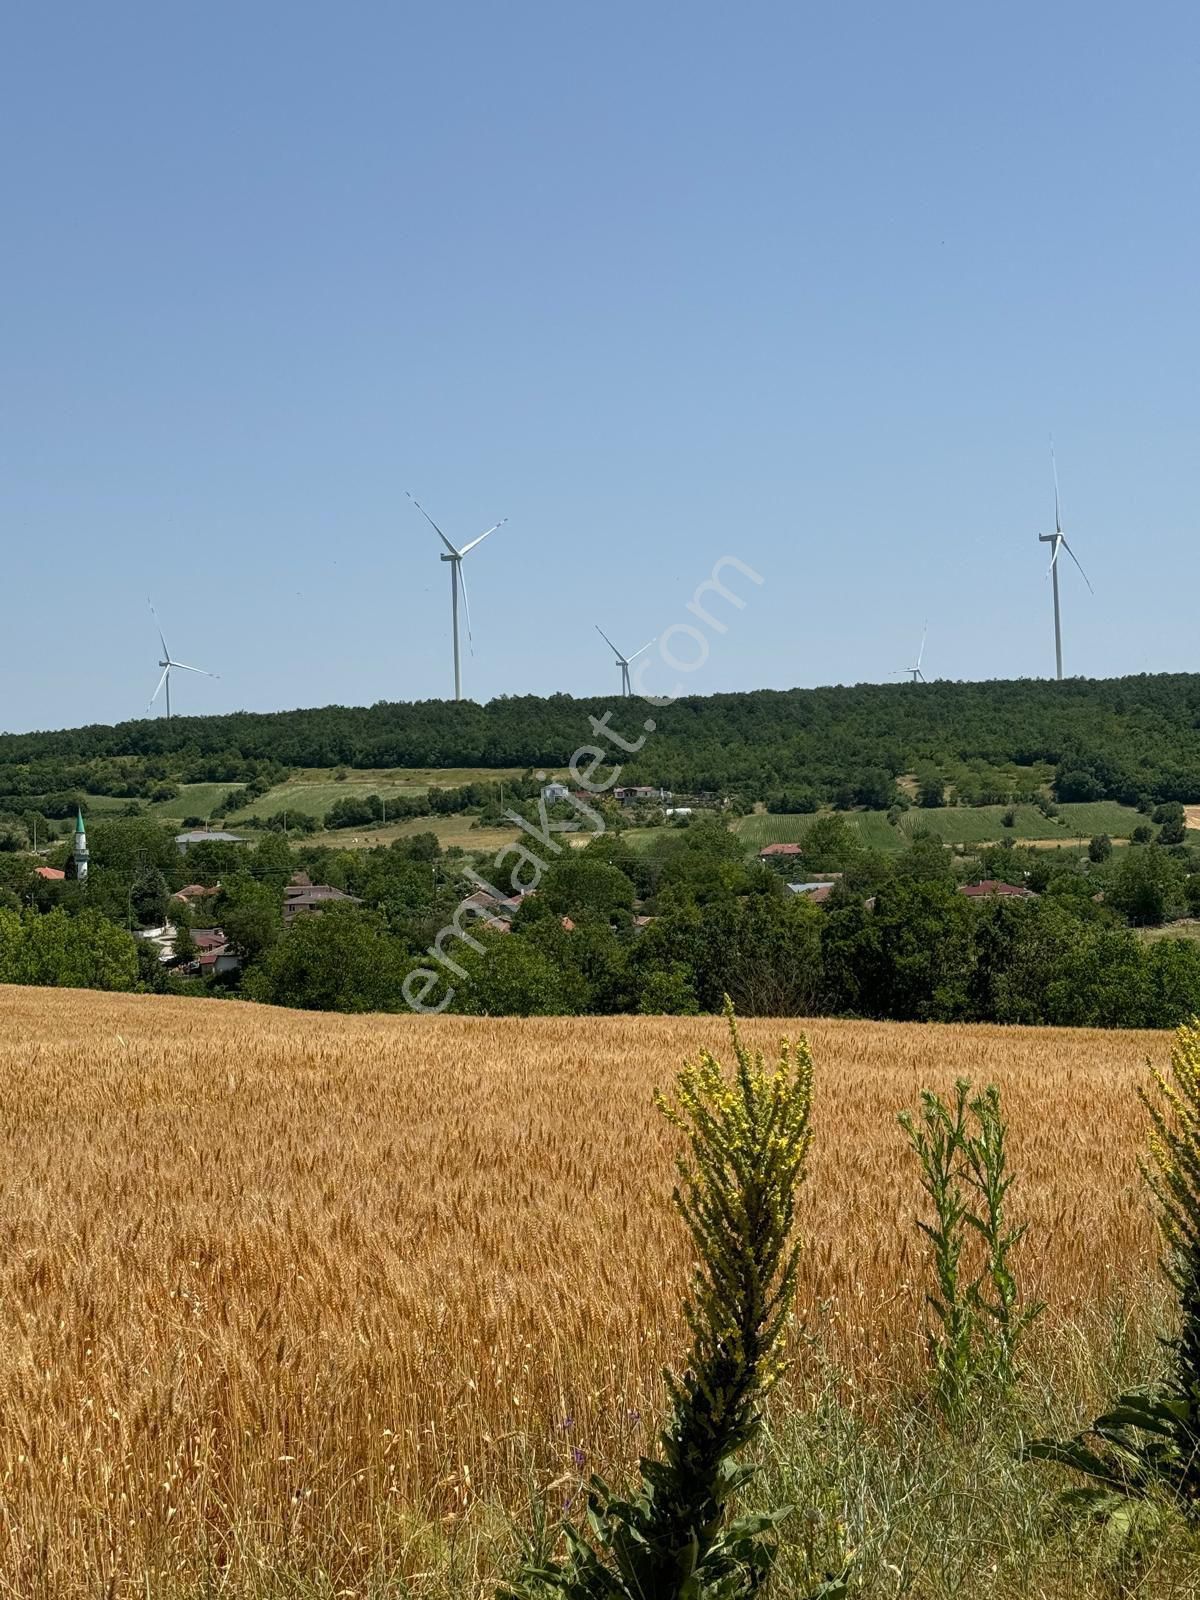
column 1147, row 887
column 1099, row 848
column 511, row 978
column 339, row 960
column 667, row 992
column 148, row 896
column 251, row 915
column 930, row 790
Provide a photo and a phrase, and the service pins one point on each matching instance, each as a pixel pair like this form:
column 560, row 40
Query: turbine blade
column 608, row 641
column 434, row 526
column 1058, row 544
column 482, row 536
column 637, row 653
column 462, row 584
column 921, row 651
column 157, row 691
column 1054, row 469
column 183, row 667
column 1077, row 562
column 158, row 625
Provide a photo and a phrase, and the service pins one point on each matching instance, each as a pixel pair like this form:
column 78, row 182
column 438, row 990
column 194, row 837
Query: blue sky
column 809, row 286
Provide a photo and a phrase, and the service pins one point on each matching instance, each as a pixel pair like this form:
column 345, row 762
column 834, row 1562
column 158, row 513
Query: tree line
column 1134, row 739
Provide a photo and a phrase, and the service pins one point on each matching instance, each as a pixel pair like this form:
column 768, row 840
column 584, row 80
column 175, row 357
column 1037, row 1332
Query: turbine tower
column 622, row 661
column 169, row 665
column 915, row 671
column 1059, row 540
column 455, row 558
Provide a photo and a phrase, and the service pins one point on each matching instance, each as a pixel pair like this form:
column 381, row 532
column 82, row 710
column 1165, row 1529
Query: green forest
column 1127, row 739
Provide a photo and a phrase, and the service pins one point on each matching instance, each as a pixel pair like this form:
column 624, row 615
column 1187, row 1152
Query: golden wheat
column 280, row 1282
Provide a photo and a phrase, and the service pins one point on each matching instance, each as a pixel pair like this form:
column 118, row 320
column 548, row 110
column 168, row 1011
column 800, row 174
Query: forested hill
column 1130, row 738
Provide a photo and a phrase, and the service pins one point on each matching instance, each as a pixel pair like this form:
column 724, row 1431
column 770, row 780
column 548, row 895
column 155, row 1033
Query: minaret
column 79, row 856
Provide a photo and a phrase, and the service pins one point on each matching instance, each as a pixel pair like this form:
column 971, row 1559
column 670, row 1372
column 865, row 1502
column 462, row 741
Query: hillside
column 1124, row 739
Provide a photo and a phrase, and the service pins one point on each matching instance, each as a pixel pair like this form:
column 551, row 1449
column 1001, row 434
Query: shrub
column 747, row 1140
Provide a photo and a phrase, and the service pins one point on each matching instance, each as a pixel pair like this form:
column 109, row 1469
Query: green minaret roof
column 79, row 828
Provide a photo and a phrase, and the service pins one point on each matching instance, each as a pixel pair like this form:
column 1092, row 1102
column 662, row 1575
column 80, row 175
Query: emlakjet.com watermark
column 428, row 989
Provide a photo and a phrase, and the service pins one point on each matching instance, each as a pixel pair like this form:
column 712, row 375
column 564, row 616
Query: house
column 207, row 836
column 994, row 887
column 774, row 852
column 192, row 892
column 302, row 897
column 215, row 963
column 817, row 892
column 51, row 874
column 213, row 956
column 553, row 792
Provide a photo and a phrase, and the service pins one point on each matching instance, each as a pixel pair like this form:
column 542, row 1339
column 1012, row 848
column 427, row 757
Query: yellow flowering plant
column 746, row 1138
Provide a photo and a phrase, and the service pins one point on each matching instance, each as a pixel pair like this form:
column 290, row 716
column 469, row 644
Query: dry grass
column 287, row 1283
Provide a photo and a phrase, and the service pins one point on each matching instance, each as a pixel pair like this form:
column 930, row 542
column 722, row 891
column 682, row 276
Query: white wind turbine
column 455, row 558
column 169, row 665
column 622, row 661
column 915, row 671
column 1059, row 540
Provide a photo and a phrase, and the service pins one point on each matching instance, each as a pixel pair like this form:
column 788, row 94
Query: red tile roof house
column 993, row 886
column 773, row 851
column 52, row 874
column 195, row 891
column 817, row 892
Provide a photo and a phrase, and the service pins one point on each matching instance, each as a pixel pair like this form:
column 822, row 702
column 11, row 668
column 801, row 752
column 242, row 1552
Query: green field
column 193, row 800
column 313, row 791
column 955, row 825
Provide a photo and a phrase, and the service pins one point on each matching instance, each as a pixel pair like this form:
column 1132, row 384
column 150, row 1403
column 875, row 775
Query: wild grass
column 304, row 1305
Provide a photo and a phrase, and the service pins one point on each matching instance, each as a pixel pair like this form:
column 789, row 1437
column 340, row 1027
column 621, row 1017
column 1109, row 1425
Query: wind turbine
column 917, row 675
column 169, row 664
column 455, row 558
column 622, row 661
column 1059, row 540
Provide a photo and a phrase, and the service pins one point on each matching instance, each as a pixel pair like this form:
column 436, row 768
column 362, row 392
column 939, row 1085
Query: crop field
column 193, row 800
column 457, row 831
column 314, row 790
column 956, row 825
column 284, row 1288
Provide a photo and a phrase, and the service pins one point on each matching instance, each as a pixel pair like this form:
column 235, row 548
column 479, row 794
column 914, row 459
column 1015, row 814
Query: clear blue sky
column 808, row 285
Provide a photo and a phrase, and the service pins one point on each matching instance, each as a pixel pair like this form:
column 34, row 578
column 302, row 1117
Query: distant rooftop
column 209, row 836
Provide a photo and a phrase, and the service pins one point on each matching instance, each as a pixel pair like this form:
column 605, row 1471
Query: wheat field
column 286, row 1284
